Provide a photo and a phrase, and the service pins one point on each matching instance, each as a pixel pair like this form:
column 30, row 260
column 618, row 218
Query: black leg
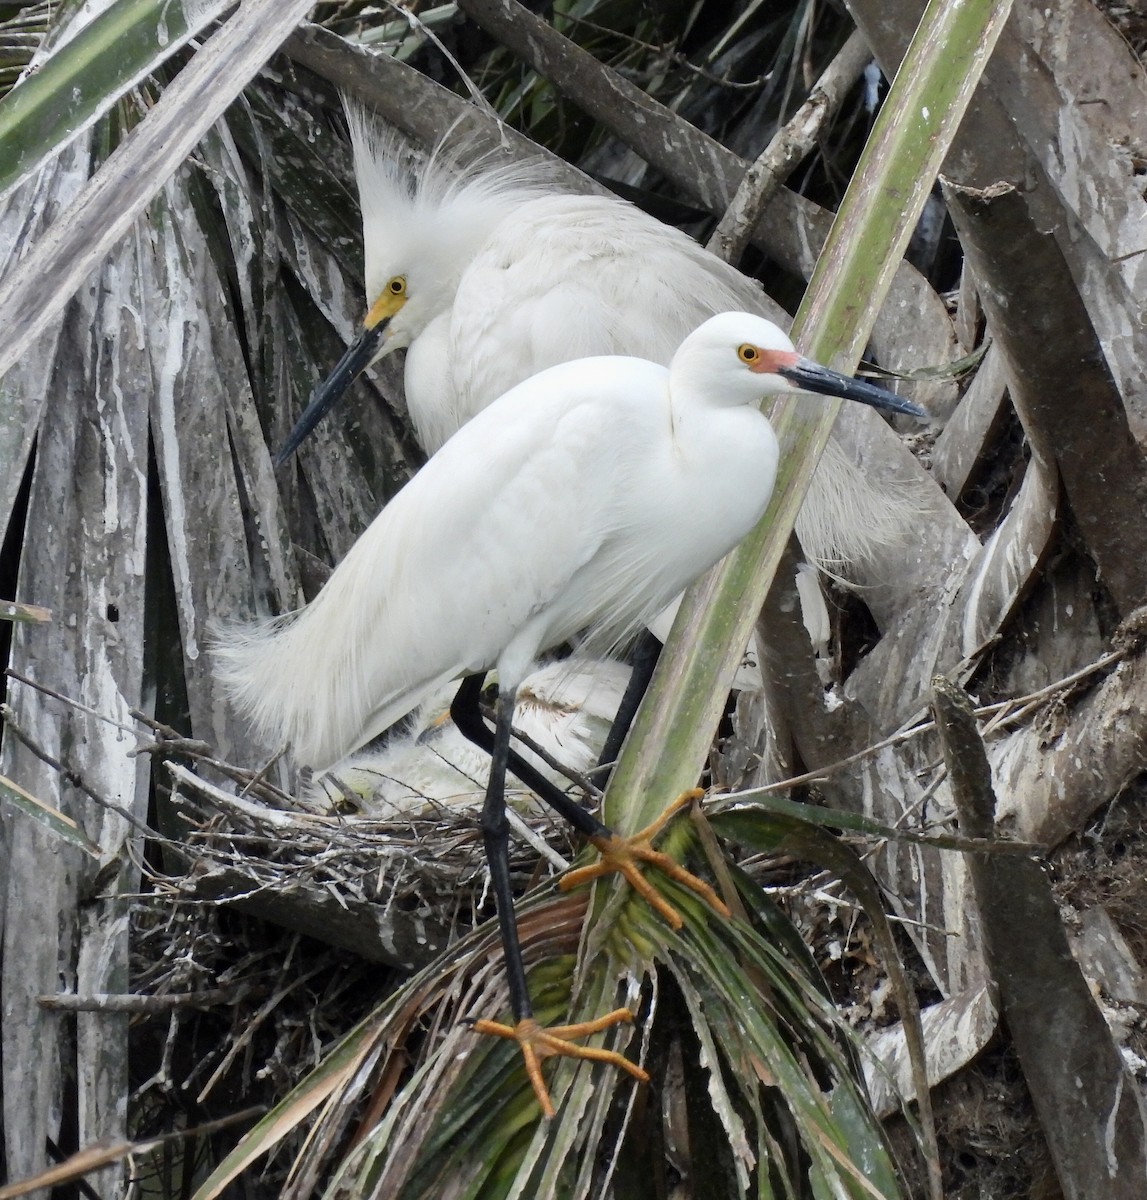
column 618, row 854
column 496, row 836
column 535, row 1042
column 466, row 713
column 646, row 652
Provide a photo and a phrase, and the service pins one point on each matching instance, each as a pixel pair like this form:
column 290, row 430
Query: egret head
column 422, row 227
column 416, row 247
column 739, row 358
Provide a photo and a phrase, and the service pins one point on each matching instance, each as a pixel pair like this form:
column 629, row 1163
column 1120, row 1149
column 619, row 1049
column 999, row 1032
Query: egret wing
column 471, row 556
column 567, row 277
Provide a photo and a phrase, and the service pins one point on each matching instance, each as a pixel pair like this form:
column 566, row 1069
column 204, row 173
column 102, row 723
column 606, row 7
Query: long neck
column 729, row 443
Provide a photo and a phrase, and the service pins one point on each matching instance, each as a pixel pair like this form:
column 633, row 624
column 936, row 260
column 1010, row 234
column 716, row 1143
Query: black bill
column 358, row 357
column 812, row 377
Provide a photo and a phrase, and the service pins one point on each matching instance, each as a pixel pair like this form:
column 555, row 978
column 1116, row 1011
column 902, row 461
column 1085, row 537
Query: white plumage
column 586, row 497
column 506, row 276
column 577, row 505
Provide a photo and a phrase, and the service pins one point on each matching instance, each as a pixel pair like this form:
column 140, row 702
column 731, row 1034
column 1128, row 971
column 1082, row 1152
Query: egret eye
column 397, row 286
column 748, row 353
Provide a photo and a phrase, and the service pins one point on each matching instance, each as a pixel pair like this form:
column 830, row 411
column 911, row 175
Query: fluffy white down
column 565, row 707
column 509, row 275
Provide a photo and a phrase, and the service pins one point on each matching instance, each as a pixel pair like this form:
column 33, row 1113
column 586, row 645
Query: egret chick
column 578, row 504
column 565, row 708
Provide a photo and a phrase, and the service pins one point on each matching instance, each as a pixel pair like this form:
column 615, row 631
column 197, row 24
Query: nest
column 269, row 930
column 396, row 891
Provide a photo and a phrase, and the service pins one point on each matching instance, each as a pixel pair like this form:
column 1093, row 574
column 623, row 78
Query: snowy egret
column 578, row 504
column 490, row 274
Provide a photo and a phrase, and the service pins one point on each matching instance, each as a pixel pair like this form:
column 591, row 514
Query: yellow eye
column 748, row 353
column 389, row 301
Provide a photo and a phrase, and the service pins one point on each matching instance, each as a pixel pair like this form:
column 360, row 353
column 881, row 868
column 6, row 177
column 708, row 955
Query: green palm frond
column 670, row 740
column 80, row 82
column 767, row 1064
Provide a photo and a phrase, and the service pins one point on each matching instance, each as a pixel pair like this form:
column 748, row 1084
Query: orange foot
column 623, row 855
column 537, row 1043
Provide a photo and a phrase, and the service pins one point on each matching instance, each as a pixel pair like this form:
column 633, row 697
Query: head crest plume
column 403, row 190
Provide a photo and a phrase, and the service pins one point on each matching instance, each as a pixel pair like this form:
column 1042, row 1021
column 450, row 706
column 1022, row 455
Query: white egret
column 489, row 275
column 579, row 503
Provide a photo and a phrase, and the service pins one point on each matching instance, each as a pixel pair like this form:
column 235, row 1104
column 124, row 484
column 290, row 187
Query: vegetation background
column 180, row 262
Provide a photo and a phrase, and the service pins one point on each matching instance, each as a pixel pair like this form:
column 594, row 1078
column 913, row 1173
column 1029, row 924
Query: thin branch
column 73, row 778
column 788, row 147
column 43, row 689
column 108, row 1002
column 418, row 26
column 666, row 51
column 168, row 742
column 92, row 1158
column 915, row 726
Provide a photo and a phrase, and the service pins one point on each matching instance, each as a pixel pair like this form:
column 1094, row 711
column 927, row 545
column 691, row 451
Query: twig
column 251, row 1026
column 695, row 161
column 70, row 1169
column 73, row 778
column 1004, row 710
column 272, row 816
column 260, row 776
column 47, row 691
column 536, row 840
column 788, row 147
column 420, row 27
column 167, row 741
column 14, row 610
column 109, row 1002
column 1032, row 699
column 678, row 59
column 170, row 741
